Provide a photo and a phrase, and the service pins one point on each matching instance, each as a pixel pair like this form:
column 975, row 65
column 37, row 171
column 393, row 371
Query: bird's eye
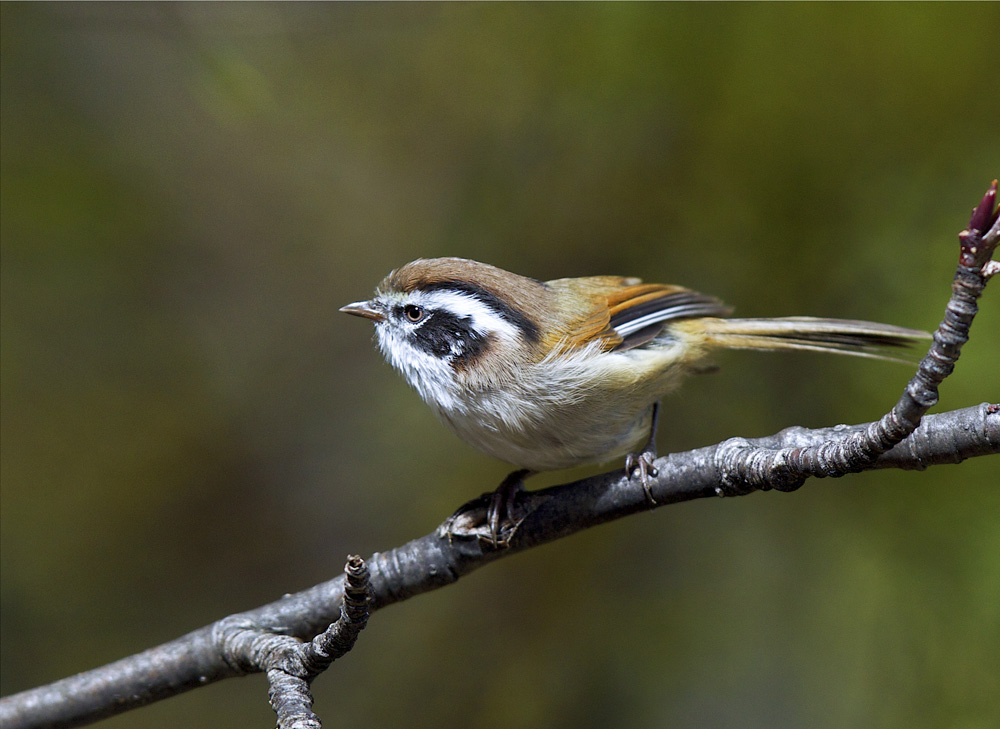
column 414, row 313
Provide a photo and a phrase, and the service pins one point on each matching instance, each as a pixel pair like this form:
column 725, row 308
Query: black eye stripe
column 448, row 336
column 498, row 305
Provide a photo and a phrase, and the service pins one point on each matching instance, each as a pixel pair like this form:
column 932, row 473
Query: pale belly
column 568, row 413
column 556, row 440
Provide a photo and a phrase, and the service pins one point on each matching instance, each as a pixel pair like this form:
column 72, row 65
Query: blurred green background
column 189, row 428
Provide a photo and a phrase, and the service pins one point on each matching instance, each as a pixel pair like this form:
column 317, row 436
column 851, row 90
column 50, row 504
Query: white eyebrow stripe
column 483, row 318
column 673, row 312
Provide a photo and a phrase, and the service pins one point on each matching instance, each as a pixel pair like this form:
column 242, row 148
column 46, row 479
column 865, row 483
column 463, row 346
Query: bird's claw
column 493, row 517
column 641, row 464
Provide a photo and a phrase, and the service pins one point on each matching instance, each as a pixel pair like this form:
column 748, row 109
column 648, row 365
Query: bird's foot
column 641, row 465
column 493, row 517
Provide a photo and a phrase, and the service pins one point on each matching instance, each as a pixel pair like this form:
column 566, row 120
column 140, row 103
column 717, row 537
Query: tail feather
column 846, row 336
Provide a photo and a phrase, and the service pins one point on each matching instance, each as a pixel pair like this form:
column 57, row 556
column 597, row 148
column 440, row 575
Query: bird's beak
column 366, row 309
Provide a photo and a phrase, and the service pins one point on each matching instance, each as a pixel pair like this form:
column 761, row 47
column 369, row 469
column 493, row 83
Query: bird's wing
column 619, row 312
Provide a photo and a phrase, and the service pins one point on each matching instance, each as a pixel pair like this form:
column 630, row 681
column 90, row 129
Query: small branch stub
column 291, row 670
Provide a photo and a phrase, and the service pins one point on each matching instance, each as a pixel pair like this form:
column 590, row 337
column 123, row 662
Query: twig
column 786, row 469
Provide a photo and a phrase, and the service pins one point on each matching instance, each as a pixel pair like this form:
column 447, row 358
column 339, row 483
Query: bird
column 548, row 375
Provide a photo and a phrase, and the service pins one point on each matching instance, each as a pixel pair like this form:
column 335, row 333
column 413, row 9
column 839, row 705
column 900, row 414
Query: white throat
column 433, row 375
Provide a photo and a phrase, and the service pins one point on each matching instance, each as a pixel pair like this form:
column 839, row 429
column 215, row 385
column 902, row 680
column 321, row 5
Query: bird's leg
column 643, row 461
column 492, row 517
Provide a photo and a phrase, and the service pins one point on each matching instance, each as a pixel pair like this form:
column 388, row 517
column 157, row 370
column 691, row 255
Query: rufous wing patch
column 624, row 312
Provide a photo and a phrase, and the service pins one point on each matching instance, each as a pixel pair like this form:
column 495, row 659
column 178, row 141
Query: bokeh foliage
column 189, row 428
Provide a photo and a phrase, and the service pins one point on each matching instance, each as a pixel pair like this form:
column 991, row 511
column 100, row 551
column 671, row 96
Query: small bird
column 547, row 375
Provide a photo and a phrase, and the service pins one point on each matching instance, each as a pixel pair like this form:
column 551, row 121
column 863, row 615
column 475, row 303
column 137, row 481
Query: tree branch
column 430, row 562
column 278, row 638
